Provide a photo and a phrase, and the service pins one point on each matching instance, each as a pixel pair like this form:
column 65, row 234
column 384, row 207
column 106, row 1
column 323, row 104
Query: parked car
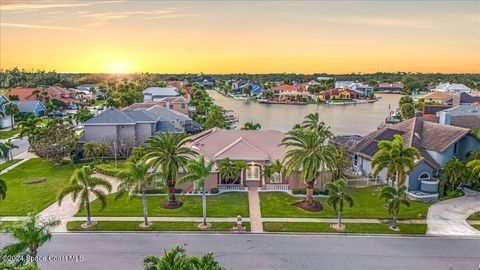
column 57, row 113
column 100, row 108
column 72, row 107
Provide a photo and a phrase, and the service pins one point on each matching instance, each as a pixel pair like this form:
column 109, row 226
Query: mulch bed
column 167, row 205
column 316, row 207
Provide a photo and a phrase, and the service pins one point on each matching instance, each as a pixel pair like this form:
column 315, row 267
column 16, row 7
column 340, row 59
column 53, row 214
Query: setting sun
column 119, row 68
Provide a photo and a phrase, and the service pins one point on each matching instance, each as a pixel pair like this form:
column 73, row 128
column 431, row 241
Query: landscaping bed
column 23, row 198
column 366, row 205
column 371, row 228
column 9, row 163
column 475, row 216
column 156, row 226
column 229, row 204
column 110, row 168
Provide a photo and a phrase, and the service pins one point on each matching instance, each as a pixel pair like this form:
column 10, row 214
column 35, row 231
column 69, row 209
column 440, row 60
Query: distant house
column 6, row 121
column 464, row 98
column 34, row 107
column 430, row 111
column 289, row 89
column 67, row 96
column 364, row 89
column 255, row 88
column 90, row 91
column 453, row 88
column 437, row 140
column 178, row 104
column 157, row 93
column 438, row 98
column 133, row 126
column 324, row 78
column 395, row 87
column 339, row 93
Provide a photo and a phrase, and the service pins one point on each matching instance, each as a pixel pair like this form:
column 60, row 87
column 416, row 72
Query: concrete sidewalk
column 449, row 217
column 256, row 224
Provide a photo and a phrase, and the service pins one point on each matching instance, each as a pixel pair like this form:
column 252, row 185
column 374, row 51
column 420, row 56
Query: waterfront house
column 438, row 98
column 339, row 93
column 289, row 89
column 453, row 88
column 430, row 111
column 178, row 104
column 362, row 88
column 132, row 127
column 395, row 87
column 157, row 93
column 67, row 96
column 258, row 148
column 34, row 107
column 437, row 140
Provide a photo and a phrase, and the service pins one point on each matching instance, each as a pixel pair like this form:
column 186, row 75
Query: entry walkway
column 69, row 208
column 254, row 207
column 449, row 217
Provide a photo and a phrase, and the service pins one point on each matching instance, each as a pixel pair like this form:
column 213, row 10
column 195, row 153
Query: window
column 455, row 148
column 253, row 172
column 183, row 105
column 424, row 176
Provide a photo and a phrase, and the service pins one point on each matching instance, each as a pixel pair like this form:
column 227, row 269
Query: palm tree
column 307, row 153
column 474, row 165
column 104, row 149
column 82, row 184
column 456, row 172
column 29, row 126
column 90, row 150
column 312, row 122
column 136, row 178
column 30, row 234
column 197, row 172
column 394, row 199
column 4, row 151
column 3, row 189
column 396, row 158
column 12, row 110
column 227, row 169
column 251, row 126
column 337, row 196
column 177, row 259
column 10, row 146
column 168, row 153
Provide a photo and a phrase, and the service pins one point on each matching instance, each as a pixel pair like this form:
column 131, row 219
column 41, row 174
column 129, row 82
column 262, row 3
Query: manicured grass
column 475, row 216
column 224, row 205
column 476, row 226
column 350, row 228
column 157, row 226
column 366, row 205
column 5, row 134
column 7, row 164
column 24, row 198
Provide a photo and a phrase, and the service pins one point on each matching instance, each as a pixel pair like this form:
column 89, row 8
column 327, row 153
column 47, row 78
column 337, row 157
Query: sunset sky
column 249, row 36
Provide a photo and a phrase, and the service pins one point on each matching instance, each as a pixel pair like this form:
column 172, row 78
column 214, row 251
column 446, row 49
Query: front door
column 253, row 174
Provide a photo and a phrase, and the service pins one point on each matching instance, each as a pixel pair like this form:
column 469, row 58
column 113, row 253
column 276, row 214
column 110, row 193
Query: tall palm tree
column 82, row 184
column 251, row 126
column 10, row 146
column 12, row 110
column 3, row 189
column 312, row 122
column 168, row 153
column 307, row 152
column 394, row 198
column 136, row 178
column 28, row 126
column 456, row 172
column 337, row 196
column 30, row 234
column 396, row 158
column 197, row 172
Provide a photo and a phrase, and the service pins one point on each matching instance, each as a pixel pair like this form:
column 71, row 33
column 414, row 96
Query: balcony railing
column 230, row 186
column 277, row 187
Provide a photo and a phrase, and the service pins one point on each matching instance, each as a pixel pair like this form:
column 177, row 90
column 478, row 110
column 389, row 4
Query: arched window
column 424, row 176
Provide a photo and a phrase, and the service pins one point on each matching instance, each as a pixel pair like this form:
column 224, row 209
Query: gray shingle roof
column 139, row 116
column 161, row 91
column 162, row 113
column 111, row 116
column 26, row 106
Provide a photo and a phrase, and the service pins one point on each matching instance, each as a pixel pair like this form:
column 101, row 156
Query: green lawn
column 157, row 226
column 224, row 205
column 476, row 226
column 6, row 134
column 7, row 164
column 475, row 216
column 366, row 205
column 350, row 228
column 24, row 198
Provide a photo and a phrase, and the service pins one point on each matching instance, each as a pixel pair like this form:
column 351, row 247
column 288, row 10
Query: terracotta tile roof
column 217, row 144
column 289, row 88
column 22, row 93
column 438, row 95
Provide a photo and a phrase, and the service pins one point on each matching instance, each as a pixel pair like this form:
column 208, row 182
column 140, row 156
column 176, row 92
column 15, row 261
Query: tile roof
column 463, row 121
column 466, row 98
column 162, row 113
column 217, row 143
column 438, row 95
column 423, row 135
column 22, row 93
column 161, row 91
column 289, row 88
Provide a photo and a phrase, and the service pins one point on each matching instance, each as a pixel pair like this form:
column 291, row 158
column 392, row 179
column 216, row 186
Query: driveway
column 449, row 217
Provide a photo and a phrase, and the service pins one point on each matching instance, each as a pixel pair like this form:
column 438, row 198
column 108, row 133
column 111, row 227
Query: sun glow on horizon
column 119, row 68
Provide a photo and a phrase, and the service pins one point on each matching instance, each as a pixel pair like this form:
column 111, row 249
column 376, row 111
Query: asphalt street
column 264, row 251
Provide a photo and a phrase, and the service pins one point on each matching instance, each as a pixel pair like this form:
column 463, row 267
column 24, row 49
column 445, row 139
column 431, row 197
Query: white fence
column 277, row 187
column 230, row 186
column 363, row 182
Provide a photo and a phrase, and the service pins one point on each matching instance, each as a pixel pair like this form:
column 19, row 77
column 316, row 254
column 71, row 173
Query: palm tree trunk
column 204, row 207
column 394, row 223
column 309, row 199
column 12, row 119
column 33, row 254
column 10, row 152
column 339, row 218
column 145, row 207
column 172, row 200
column 87, row 208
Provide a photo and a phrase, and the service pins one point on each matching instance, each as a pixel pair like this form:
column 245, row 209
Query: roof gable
column 240, row 149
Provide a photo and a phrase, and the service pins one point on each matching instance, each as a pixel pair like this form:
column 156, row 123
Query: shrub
column 214, row 190
column 109, row 168
column 303, row 191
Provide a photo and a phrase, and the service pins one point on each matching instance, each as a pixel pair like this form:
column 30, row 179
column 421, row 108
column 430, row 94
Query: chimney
column 445, row 118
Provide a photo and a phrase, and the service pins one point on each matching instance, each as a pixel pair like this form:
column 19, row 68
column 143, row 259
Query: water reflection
column 350, row 119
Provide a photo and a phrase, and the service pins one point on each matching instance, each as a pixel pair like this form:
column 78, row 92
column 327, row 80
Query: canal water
column 358, row 119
